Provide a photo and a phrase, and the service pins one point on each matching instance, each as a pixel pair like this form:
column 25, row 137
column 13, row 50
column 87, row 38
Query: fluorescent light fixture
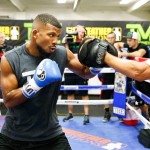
column 75, row 4
column 61, row 1
column 139, row 4
column 124, row 2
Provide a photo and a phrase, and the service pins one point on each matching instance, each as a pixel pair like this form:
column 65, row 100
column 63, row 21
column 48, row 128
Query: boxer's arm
column 137, row 70
column 75, row 66
column 12, row 95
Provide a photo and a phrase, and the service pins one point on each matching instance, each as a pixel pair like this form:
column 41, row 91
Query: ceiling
column 75, row 5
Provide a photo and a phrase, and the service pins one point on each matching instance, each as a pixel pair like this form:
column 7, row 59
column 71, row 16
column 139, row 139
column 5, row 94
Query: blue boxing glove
column 46, row 73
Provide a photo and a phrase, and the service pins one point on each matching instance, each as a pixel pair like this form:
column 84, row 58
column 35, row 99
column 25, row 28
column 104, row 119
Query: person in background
column 4, row 47
column 73, row 79
column 108, row 79
column 136, row 49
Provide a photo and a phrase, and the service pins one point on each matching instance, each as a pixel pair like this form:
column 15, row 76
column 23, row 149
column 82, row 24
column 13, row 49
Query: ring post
column 120, row 88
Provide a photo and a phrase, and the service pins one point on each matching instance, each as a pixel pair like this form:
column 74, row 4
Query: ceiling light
column 139, row 4
column 61, row 1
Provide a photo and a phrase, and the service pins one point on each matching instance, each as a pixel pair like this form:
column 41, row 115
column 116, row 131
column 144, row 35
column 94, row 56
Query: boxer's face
column 46, row 38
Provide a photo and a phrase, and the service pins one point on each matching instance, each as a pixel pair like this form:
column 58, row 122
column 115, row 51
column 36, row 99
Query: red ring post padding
column 1, row 54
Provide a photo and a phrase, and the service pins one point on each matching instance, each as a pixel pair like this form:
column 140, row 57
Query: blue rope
column 86, row 87
column 141, row 95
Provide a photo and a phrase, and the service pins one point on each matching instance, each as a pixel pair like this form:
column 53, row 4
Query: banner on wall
column 18, row 31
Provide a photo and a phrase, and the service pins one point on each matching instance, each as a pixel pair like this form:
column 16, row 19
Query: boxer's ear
column 35, row 33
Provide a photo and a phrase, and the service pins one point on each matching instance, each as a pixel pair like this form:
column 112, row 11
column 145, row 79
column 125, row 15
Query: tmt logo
column 144, row 36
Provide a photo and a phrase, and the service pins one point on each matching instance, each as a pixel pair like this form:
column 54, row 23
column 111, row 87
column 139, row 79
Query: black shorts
column 107, row 79
column 73, row 79
column 143, row 87
column 58, row 143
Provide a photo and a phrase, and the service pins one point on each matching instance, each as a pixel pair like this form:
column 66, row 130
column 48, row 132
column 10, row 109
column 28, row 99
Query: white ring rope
column 84, row 102
column 1, row 100
column 143, row 120
column 102, row 70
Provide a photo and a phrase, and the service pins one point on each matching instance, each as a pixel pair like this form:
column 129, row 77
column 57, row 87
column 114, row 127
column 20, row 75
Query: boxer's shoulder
column 16, row 51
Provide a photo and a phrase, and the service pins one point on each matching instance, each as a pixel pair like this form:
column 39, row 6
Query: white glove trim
column 30, row 88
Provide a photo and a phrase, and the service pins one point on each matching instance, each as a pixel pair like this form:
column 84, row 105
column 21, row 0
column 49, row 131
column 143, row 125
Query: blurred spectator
column 73, row 79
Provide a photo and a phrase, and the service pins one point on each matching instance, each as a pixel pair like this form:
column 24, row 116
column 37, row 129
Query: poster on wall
column 18, row 31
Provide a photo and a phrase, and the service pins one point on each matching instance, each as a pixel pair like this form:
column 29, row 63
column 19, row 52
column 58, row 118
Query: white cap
column 132, row 35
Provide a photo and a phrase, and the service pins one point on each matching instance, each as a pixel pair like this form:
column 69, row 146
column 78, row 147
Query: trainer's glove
column 92, row 52
column 46, row 73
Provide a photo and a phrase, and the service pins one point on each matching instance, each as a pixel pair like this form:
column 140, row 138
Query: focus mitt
column 92, row 52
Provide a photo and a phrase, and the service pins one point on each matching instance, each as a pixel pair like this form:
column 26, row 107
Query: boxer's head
column 45, row 32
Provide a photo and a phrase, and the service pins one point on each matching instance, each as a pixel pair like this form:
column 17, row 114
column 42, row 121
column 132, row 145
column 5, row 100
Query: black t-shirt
column 35, row 119
column 74, row 47
column 5, row 48
column 140, row 46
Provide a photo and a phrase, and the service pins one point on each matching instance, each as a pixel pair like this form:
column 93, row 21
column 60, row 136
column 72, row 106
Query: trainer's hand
column 46, row 73
column 64, row 40
column 123, row 54
column 92, row 52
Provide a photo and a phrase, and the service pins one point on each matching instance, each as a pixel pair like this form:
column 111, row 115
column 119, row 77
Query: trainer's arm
column 75, row 66
column 12, row 95
column 137, row 70
column 139, row 53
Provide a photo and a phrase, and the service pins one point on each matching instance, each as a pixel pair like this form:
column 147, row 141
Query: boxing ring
column 105, row 128
column 97, row 135
column 102, row 102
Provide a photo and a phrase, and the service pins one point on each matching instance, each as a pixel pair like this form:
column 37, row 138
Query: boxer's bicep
column 8, row 83
column 8, row 79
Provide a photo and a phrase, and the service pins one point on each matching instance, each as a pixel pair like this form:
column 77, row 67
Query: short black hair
column 48, row 19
